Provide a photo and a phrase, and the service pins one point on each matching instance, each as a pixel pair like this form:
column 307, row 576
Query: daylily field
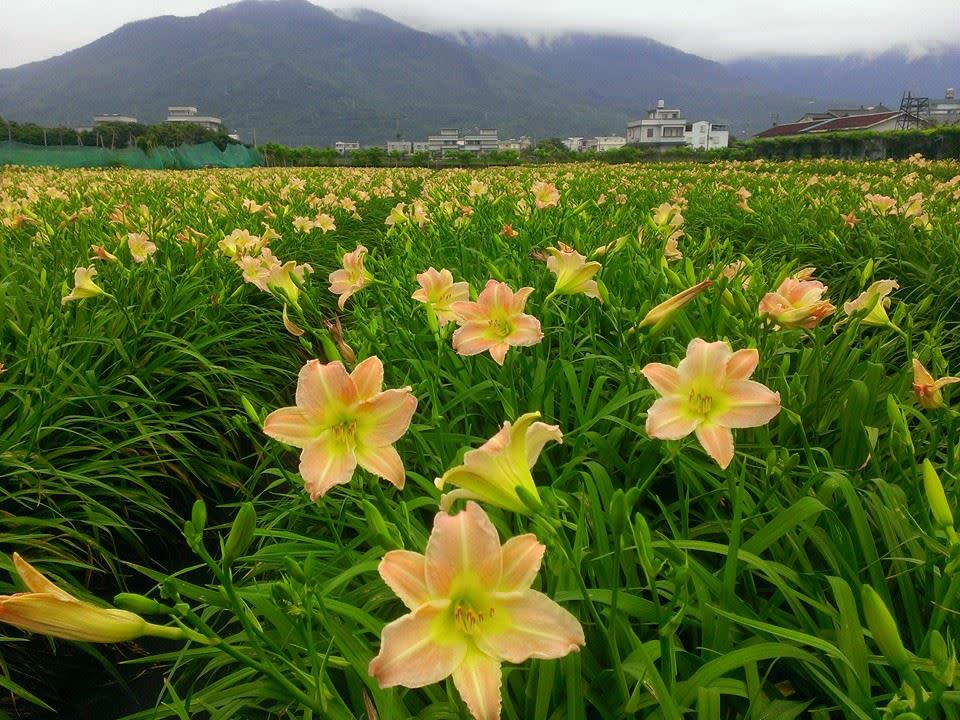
column 544, row 443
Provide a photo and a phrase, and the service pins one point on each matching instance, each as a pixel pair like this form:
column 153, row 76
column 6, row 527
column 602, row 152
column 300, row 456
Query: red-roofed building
column 874, row 121
column 794, row 128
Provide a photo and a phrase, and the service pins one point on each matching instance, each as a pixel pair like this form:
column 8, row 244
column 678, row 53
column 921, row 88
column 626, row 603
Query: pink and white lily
column 471, row 608
column 351, row 278
column 709, row 393
column 438, row 291
column 495, row 322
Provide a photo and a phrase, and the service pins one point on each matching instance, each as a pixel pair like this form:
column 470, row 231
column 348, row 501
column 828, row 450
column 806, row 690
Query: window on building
column 649, row 132
column 672, row 132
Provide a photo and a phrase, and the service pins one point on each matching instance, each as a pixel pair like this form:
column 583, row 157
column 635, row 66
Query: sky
column 717, row 29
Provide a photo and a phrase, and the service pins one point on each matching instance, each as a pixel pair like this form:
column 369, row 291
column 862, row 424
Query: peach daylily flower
column 880, row 204
column 101, row 253
column 926, row 388
column 573, row 272
column 495, row 322
column 83, row 285
column 545, row 194
column 438, row 291
column 796, row 304
column 325, row 223
column 351, row 278
column 396, row 216
column 287, row 277
column 471, row 608
column 343, row 420
column 709, row 393
column 140, row 246
column 493, row 472
column 303, row 224
column 875, row 299
column 49, row 610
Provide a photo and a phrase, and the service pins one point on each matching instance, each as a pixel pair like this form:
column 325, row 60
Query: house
column 603, row 143
column 180, row 113
column 575, row 144
column 521, row 144
column 705, row 135
column 344, row 147
column 477, row 141
column 404, row 147
column 874, row 121
column 113, row 118
column 946, row 110
column 662, row 127
column 448, row 139
column 419, row 147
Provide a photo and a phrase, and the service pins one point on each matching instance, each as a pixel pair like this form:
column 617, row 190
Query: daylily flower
column 418, row 213
column 101, row 253
column 493, row 472
column 495, row 322
column 282, row 277
column 850, row 220
column 343, row 420
column 709, row 393
column 240, row 242
column 880, row 204
column 48, row 610
column 471, row 608
column 351, row 278
column 926, row 388
column 875, row 298
column 507, row 231
column 545, row 194
column 796, row 304
column 667, row 308
column 439, row 292
column 573, row 272
column 476, row 188
column 83, row 285
column 396, row 216
column 325, row 222
column 140, row 246
column 303, row 224
column 257, row 269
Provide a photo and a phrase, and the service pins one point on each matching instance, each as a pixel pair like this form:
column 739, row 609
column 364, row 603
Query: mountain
column 300, row 74
column 860, row 79
column 631, row 73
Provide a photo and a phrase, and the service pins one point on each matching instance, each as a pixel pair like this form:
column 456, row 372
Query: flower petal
column 36, row 581
column 751, row 404
column 664, row 378
column 528, row 624
column 368, row 377
column 478, row 682
column 463, row 547
column 538, row 435
column 404, row 572
column 326, row 462
column 521, row 562
column 413, row 651
column 706, row 361
column 324, row 388
column 383, row 462
column 667, row 419
column 717, row 441
column 383, row 419
column 526, row 331
column 472, row 338
column 742, row 363
column 289, row 425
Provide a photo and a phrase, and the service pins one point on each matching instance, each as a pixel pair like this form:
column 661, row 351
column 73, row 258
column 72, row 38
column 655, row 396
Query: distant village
column 662, row 128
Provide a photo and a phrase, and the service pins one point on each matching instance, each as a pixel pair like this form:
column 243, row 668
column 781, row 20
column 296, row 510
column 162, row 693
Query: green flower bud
column 884, row 629
column 936, row 498
column 241, row 534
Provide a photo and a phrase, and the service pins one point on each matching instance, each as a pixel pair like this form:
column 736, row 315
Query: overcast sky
column 718, row 29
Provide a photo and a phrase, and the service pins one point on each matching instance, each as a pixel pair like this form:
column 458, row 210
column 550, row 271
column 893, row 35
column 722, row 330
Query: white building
column 662, row 127
column 344, row 147
column 448, row 139
column 404, row 147
column 575, row 144
column 421, row 147
column 183, row 113
column 519, row 144
column 945, row 111
column 705, row 135
column 606, row 142
column 481, row 141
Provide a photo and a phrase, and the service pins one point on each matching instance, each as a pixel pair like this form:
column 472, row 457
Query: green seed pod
column 198, row 516
column 139, row 604
column 884, row 629
column 936, row 498
column 241, row 534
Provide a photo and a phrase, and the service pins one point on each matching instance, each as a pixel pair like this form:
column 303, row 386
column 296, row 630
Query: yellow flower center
column 469, row 616
column 700, row 404
column 345, row 432
column 501, row 327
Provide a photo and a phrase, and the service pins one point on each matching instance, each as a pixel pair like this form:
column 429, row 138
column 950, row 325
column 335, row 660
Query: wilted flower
column 101, row 253
column 875, row 299
column 573, row 272
column 439, row 291
column 343, row 420
column 709, row 393
column 49, row 610
column 508, row 231
column 797, row 304
column 495, row 322
column 493, row 472
column 471, row 608
column 83, row 285
column 926, row 388
column 545, row 194
column 140, row 246
column 351, row 278
column 850, row 220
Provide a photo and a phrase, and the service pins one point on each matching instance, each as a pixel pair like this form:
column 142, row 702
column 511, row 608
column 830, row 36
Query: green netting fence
column 184, row 157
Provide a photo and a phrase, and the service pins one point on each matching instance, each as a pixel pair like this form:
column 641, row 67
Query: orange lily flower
column 471, row 608
column 796, row 304
column 343, row 420
column 495, row 322
column 438, row 291
column 926, row 388
column 351, row 278
column 709, row 393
